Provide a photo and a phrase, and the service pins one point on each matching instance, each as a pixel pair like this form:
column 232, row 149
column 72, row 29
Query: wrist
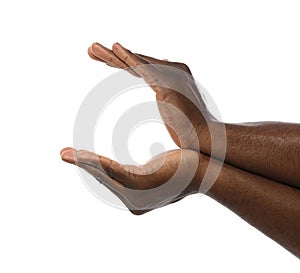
column 212, row 138
column 200, row 173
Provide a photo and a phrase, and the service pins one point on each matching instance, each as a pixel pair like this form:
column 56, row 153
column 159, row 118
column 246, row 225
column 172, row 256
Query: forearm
column 270, row 149
column 271, row 207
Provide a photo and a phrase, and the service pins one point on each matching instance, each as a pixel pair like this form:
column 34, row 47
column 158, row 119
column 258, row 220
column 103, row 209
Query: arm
column 271, row 207
column 270, row 149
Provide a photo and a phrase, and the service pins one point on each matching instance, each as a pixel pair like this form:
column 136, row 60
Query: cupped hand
column 164, row 179
column 179, row 101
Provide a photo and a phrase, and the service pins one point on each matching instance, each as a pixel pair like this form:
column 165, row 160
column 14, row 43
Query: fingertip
column 68, row 154
column 69, row 157
column 65, row 150
column 89, row 51
column 94, row 48
column 95, row 45
column 117, row 46
column 92, row 55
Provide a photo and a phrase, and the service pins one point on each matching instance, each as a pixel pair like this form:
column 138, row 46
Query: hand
column 179, row 101
column 165, row 179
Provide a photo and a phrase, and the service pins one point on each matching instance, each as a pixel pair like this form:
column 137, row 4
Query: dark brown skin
column 259, row 181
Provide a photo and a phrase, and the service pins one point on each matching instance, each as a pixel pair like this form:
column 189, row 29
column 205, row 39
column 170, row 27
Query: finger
column 127, row 56
column 100, row 166
column 121, row 173
column 102, row 177
column 68, row 155
column 100, row 53
column 114, row 186
column 107, row 55
column 94, row 57
column 138, row 64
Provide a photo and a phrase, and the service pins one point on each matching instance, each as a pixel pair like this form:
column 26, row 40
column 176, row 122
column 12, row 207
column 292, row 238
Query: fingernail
column 65, row 149
column 68, row 156
column 96, row 46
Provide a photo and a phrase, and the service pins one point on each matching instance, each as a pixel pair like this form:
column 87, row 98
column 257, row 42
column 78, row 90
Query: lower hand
column 164, row 179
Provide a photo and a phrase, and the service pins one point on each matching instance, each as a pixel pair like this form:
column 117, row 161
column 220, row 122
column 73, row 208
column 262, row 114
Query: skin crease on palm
column 259, row 181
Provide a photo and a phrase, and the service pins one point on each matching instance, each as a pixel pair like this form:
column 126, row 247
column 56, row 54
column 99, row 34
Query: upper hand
column 179, row 101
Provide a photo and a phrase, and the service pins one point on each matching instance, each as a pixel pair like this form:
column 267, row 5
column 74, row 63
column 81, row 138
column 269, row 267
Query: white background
column 246, row 54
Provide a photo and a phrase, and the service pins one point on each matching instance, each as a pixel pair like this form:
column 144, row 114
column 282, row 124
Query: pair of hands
column 173, row 175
